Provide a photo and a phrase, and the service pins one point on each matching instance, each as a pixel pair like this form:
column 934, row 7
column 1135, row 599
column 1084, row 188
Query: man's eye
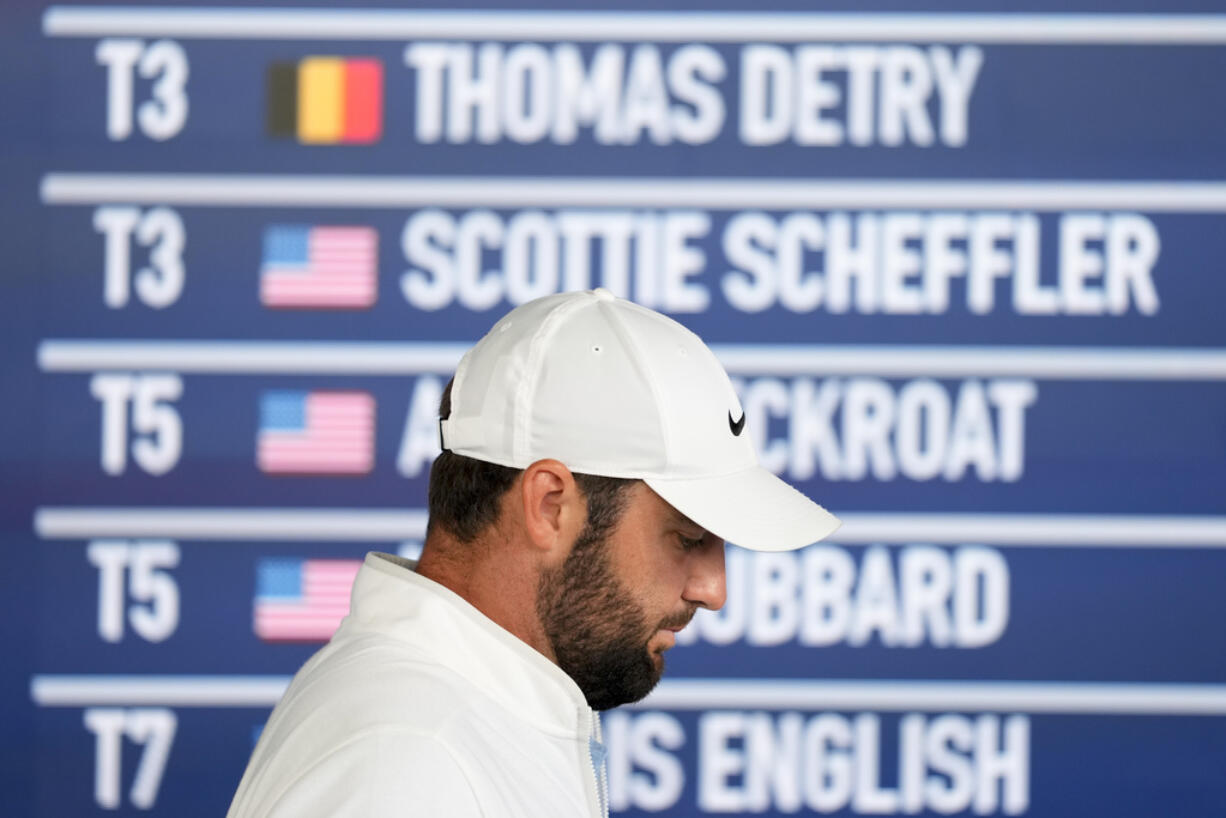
column 690, row 543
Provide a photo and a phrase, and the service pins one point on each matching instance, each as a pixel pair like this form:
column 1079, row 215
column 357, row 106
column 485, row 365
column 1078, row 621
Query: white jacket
column 422, row 706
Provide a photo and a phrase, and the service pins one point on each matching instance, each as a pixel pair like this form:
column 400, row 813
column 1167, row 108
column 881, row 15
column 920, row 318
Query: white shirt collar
column 391, row 597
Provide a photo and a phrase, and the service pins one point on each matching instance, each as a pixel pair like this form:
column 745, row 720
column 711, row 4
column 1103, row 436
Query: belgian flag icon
column 326, row 100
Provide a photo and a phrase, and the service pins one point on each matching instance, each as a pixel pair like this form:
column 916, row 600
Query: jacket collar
column 391, row 597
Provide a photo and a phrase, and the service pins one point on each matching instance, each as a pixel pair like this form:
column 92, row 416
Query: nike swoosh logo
column 736, row 425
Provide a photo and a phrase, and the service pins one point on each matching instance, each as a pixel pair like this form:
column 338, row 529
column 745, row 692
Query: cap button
column 603, row 294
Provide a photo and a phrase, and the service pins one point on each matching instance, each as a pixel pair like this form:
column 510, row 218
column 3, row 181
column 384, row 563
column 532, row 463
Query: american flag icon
column 301, row 600
column 316, row 432
column 319, row 267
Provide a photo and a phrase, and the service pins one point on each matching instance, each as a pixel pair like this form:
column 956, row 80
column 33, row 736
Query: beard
column 598, row 632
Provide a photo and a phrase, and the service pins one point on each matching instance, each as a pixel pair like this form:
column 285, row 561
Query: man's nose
column 706, row 585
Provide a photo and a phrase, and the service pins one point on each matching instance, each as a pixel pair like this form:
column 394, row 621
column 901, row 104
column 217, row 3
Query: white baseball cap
column 612, row 388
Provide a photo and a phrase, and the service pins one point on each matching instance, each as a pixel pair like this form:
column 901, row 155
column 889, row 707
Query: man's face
column 615, row 604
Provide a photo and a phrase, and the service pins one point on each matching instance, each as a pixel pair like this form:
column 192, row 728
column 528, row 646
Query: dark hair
column 465, row 494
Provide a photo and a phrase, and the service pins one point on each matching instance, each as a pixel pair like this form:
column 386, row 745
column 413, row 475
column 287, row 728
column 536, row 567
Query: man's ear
column 553, row 507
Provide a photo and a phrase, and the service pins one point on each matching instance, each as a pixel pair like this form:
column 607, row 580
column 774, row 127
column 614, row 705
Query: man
column 593, row 465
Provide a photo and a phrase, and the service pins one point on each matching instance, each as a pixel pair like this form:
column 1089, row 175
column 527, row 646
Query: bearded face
column 599, row 632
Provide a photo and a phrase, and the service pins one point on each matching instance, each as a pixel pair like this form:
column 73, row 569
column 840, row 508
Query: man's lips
column 677, row 623
column 671, row 627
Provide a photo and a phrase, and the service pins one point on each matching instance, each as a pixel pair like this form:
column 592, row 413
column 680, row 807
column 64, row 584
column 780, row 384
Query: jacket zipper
column 599, row 770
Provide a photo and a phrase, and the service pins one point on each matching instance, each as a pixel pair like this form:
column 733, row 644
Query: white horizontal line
column 174, row 691
column 371, row 24
column 357, row 525
column 254, row 190
column 1077, row 363
column 1026, row 697
column 380, row 525
column 249, row 358
column 413, row 358
column 681, row 694
column 1071, row 530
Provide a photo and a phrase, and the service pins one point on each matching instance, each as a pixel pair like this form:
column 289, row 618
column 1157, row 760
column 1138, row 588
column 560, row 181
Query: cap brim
column 751, row 508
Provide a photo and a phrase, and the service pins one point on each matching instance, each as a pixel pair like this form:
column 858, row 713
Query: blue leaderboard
column 965, row 270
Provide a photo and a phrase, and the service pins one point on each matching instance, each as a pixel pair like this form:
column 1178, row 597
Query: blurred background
column 963, row 262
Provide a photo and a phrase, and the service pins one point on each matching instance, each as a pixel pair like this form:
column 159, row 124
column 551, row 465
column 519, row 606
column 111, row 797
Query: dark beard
column 599, row 634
